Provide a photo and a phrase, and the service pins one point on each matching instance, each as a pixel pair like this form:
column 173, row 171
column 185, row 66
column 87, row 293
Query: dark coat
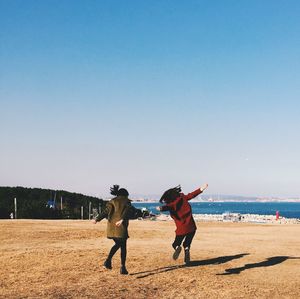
column 181, row 212
column 116, row 209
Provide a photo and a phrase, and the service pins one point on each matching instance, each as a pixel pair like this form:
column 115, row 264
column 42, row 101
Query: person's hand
column 94, row 221
column 158, row 208
column 118, row 223
column 203, row 187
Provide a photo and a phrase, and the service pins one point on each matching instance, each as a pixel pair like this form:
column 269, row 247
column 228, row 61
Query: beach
column 236, row 217
column 63, row 259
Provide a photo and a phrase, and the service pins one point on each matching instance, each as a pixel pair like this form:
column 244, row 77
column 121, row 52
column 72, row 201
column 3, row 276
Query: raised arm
column 195, row 193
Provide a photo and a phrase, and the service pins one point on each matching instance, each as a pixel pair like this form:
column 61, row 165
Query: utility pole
column 61, row 202
column 54, row 203
column 16, row 208
column 81, row 212
column 90, row 206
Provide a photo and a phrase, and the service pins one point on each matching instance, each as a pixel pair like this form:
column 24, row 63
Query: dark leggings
column 188, row 238
column 119, row 243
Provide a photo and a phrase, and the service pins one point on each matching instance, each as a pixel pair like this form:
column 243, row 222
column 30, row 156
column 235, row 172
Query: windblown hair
column 114, row 190
column 171, row 194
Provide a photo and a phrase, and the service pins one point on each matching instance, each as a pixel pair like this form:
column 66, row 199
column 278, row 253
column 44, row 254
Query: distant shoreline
column 288, row 210
column 237, row 217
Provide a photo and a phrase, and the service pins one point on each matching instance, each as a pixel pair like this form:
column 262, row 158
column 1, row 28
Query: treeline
column 35, row 203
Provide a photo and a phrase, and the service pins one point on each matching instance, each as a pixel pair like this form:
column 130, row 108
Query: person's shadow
column 213, row 261
column 271, row 261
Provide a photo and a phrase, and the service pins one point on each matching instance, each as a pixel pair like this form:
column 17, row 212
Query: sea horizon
column 285, row 209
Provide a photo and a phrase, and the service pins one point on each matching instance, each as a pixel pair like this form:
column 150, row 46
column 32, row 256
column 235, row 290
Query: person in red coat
column 180, row 210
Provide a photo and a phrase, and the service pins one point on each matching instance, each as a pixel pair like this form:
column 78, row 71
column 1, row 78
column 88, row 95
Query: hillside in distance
column 37, row 203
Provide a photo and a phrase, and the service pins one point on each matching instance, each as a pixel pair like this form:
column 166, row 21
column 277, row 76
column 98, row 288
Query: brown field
column 63, row 259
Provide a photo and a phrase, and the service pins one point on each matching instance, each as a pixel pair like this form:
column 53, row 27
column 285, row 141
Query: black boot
column 187, row 257
column 123, row 270
column 107, row 264
column 176, row 252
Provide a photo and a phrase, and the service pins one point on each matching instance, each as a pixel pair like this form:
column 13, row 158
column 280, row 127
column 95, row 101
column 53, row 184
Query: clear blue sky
column 150, row 94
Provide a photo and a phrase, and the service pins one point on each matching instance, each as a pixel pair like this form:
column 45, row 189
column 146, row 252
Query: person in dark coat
column 118, row 211
column 180, row 210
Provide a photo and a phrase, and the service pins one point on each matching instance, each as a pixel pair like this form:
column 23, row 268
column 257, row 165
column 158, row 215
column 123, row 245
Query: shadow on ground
column 213, row 261
column 271, row 261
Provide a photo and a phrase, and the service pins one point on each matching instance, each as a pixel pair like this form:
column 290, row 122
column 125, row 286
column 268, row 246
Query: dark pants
column 119, row 243
column 188, row 238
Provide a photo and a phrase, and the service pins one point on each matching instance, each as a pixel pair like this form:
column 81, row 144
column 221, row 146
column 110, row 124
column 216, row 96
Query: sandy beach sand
column 63, row 259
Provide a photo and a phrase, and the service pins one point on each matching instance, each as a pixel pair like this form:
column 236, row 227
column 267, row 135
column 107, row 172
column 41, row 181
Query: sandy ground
column 63, row 259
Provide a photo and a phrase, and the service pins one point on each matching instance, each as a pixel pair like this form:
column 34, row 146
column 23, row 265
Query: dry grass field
column 63, row 259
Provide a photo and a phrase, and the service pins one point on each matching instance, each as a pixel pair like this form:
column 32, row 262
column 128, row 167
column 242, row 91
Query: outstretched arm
column 195, row 193
column 163, row 208
column 203, row 187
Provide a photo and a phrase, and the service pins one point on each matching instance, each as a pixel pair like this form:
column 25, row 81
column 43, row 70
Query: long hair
column 171, row 194
column 114, row 190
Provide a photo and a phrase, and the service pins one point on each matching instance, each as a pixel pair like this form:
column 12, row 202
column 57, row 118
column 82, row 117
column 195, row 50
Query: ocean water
column 286, row 209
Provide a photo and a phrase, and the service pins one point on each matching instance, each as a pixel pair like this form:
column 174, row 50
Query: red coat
column 181, row 212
